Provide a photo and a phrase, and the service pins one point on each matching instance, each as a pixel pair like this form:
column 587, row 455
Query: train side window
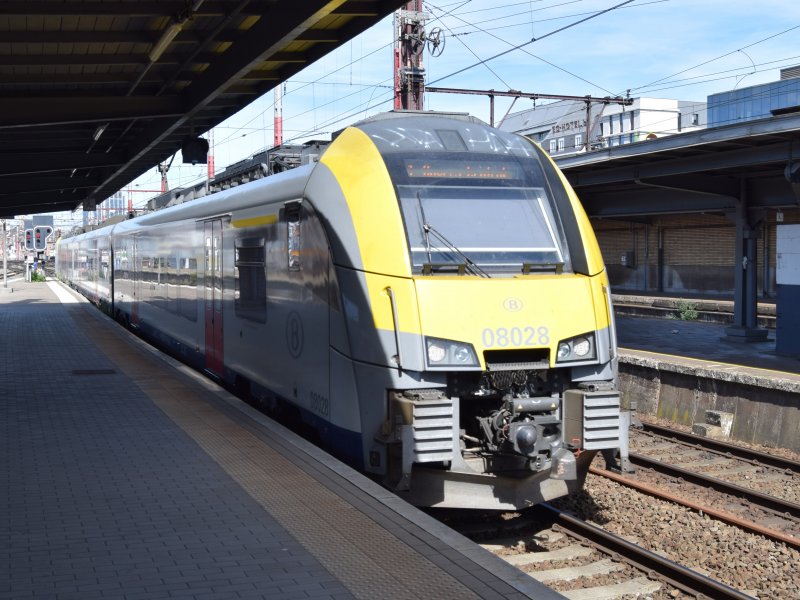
column 250, row 293
column 294, row 241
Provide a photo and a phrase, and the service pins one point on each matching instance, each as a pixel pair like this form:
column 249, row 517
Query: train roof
column 409, row 131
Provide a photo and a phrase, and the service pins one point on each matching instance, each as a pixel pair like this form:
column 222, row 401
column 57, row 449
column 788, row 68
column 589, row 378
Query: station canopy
column 94, row 93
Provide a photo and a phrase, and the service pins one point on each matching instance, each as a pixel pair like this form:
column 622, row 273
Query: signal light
column 40, row 237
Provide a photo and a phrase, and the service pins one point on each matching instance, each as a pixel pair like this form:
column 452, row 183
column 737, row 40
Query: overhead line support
column 589, row 100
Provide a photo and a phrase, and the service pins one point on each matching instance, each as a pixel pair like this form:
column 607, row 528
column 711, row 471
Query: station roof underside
column 94, row 93
column 702, row 171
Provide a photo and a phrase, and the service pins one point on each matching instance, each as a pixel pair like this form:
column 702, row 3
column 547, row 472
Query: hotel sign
column 568, row 126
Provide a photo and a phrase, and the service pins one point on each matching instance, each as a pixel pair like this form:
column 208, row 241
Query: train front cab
column 490, row 377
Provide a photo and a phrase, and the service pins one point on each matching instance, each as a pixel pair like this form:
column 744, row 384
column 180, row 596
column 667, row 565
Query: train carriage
column 428, row 299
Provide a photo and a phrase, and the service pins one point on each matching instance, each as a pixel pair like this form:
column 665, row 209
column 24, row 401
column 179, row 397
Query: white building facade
column 565, row 127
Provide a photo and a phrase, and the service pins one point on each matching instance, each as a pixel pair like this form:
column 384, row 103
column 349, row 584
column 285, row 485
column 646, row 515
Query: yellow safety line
column 700, row 360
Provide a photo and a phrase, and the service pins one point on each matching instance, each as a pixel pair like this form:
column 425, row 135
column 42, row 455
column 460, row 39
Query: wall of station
column 767, row 410
column 684, row 254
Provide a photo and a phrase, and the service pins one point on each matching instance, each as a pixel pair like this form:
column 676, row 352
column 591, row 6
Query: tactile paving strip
column 366, row 558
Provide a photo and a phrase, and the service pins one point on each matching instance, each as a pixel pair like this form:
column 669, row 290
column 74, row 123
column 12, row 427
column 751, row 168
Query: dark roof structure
column 94, row 93
column 702, row 171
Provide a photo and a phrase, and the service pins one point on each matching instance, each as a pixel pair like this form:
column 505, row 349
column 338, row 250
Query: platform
column 127, row 475
column 702, row 341
column 678, row 370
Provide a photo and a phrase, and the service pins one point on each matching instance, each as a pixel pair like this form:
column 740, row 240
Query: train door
column 307, row 318
column 213, row 295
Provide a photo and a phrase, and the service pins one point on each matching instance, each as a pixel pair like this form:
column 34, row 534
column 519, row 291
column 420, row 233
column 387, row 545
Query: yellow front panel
column 405, row 302
column 506, row 314
column 358, row 167
column 594, row 258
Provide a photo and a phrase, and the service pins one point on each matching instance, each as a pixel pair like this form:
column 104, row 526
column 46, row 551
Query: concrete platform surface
column 702, row 341
column 128, row 476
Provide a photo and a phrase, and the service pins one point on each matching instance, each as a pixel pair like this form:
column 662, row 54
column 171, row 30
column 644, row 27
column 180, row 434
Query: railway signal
column 29, row 239
column 40, row 237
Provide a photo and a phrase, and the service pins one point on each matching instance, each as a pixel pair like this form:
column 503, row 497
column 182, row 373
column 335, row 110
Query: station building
column 561, row 127
column 678, row 252
column 756, row 102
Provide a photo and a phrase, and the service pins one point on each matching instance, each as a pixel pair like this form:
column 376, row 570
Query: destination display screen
column 462, row 169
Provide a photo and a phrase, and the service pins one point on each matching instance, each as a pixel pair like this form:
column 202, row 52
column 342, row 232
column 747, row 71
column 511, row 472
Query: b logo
column 294, row 334
column 512, row 304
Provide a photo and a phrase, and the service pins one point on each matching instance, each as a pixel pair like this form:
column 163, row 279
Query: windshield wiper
column 424, row 228
column 427, row 229
column 470, row 266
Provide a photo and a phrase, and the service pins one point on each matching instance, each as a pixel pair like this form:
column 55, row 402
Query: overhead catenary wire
column 517, row 47
column 359, row 110
column 785, row 31
column 378, row 98
column 340, row 118
column 543, row 60
column 519, row 24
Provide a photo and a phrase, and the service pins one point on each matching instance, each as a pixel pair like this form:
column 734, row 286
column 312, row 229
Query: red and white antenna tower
column 409, row 42
column 278, row 124
column 210, row 160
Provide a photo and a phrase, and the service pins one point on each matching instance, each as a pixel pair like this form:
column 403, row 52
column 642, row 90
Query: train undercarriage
column 502, row 439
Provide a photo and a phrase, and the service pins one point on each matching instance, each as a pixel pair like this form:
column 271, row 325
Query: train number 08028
column 503, row 337
column 320, row 404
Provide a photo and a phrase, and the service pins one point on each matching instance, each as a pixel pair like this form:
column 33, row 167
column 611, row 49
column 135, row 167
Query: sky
column 681, row 49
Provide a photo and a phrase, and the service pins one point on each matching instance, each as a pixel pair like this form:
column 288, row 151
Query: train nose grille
column 426, row 425
column 517, row 360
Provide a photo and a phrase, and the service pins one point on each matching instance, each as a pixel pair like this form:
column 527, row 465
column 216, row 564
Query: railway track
column 669, row 530
column 583, row 561
column 657, row 568
column 722, row 448
column 16, row 269
column 744, row 487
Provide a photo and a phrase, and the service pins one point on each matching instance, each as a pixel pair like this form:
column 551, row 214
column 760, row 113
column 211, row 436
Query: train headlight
column 449, row 353
column 581, row 347
column 462, row 355
column 436, row 352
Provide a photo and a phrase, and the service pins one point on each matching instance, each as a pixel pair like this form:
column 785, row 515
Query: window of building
column 695, row 119
column 631, row 120
column 552, row 146
column 602, row 129
column 251, row 280
column 578, row 141
column 560, row 144
column 621, row 122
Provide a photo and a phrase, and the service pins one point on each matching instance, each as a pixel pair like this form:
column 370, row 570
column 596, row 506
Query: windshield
column 483, row 214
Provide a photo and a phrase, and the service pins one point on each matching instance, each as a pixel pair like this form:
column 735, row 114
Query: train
column 425, row 299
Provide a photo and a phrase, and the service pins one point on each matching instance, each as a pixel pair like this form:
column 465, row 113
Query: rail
column 725, row 448
column 675, row 574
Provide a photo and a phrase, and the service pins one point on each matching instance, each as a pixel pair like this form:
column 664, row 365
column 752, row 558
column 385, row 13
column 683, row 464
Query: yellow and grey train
column 427, row 298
